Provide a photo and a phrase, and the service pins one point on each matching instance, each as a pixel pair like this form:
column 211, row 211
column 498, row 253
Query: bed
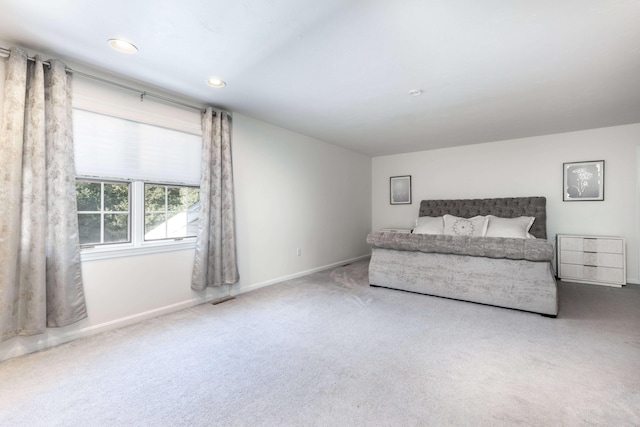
column 506, row 272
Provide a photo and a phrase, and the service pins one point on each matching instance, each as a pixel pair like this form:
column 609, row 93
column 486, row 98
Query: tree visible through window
column 103, row 212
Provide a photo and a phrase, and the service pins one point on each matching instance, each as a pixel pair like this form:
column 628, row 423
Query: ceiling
column 341, row 70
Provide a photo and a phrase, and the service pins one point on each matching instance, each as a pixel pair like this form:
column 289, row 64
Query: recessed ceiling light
column 415, row 92
column 216, row 82
column 122, row 46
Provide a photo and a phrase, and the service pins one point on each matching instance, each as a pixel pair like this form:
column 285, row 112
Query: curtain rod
column 4, row 52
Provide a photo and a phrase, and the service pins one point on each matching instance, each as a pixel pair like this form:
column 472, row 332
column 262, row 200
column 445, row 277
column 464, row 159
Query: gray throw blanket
column 489, row 247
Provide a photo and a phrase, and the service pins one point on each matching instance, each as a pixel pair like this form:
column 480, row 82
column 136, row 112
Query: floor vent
column 221, row 300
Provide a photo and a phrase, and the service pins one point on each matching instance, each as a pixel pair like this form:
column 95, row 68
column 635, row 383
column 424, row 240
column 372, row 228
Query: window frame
column 137, row 244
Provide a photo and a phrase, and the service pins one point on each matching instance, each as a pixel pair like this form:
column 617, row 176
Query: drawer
column 612, row 246
column 572, row 243
column 589, row 258
column 592, row 244
column 596, row 274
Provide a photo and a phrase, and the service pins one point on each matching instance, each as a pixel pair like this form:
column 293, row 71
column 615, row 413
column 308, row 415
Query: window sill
column 128, row 250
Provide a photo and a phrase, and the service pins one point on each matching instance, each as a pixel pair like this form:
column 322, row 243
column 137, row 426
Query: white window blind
column 111, row 147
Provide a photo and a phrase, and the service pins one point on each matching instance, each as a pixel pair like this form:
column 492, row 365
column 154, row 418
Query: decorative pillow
column 429, row 225
column 510, row 227
column 454, row 225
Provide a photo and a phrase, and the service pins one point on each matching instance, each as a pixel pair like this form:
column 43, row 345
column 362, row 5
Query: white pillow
column 456, row 226
column 429, row 225
column 510, row 227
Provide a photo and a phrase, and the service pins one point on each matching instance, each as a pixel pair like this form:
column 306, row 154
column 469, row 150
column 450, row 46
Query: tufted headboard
column 507, row 207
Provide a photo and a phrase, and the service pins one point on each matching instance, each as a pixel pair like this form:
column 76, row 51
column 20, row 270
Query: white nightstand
column 598, row 260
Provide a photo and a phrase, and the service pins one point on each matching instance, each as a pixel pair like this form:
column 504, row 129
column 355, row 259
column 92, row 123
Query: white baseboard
column 242, row 289
column 20, row 346
column 54, row 337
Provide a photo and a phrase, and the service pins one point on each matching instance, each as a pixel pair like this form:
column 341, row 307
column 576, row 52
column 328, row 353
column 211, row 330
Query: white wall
column 295, row 192
column 524, row 167
column 291, row 192
column 2, row 77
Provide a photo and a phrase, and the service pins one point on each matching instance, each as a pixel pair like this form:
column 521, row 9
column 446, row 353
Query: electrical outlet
column 299, row 252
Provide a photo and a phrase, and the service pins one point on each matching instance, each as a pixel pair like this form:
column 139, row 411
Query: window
column 137, row 186
column 103, row 212
column 170, row 211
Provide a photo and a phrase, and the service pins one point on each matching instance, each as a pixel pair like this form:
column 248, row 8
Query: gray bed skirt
column 518, row 284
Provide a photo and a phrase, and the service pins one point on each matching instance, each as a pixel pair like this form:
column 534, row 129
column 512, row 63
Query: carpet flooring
column 328, row 350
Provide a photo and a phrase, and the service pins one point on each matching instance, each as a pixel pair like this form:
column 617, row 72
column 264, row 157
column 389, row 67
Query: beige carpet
column 328, row 350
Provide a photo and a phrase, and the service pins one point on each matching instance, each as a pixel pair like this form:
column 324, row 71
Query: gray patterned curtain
column 40, row 275
column 215, row 261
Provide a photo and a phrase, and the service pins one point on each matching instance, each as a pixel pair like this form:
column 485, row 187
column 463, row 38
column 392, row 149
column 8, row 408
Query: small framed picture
column 400, row 190
column 583, row 181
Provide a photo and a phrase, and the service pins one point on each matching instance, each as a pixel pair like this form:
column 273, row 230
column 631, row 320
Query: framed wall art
column 400, row 190
column 583, row 181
